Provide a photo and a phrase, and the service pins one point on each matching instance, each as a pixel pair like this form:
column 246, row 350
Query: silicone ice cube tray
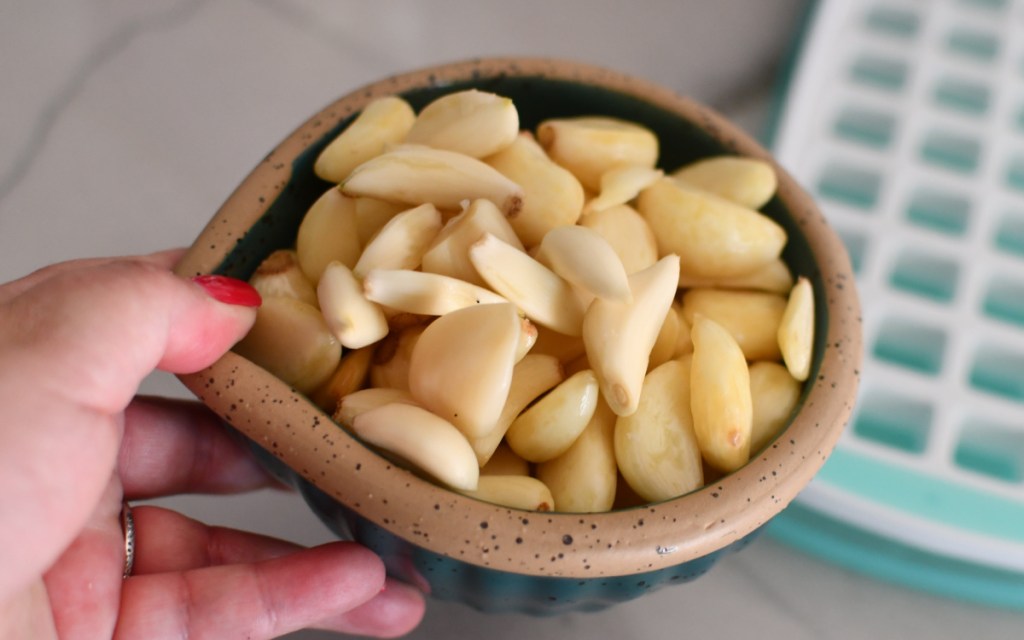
column 906, row 120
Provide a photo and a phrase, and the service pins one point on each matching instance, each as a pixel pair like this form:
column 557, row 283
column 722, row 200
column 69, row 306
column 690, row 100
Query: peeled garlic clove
column 625, row 497
column 423, row 439
column 543, row 296
column 575, row 266
column 383, row 122
column 291, row 340
column 656, row 447
column 553, row 196
column 350, row 375
column 400, row 321
column 773, row 277
column 589, row 146
column 357, row 402
column 415, row 174
column 424, row 293
column 327, row 233
column 684, row 341
column 549, row 427
column 586, row 260
column 720, row 396
column 371, row 216
column 390, row 368
column 796, row 330
column 355, row 321
column 619, row 336
column 564, row 348
column 667, row 343
column 527, row 337
column 749, row 182
column 279, row 275
column 583, row 479
column 401, row 243
column 751, row 317
column 514, row 492
column 461, row 366
column 505, row 462
column 774, row 393
column 621, row 184
column 532, row 376
column 577, row 365
column 628, row 234
column 449, row 253
column 475, row 123
column 713, row 237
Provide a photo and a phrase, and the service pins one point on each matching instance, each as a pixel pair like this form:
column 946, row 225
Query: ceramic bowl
column 490, row 557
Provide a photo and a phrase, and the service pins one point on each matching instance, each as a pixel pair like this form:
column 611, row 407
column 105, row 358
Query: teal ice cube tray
column 905, row 119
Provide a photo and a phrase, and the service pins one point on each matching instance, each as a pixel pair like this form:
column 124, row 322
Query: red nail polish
column 229, row 290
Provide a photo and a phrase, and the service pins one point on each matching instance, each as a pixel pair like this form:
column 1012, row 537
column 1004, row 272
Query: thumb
column 95, row 332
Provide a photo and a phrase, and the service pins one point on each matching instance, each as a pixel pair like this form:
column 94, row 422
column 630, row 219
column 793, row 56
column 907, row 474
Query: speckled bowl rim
column 624, row 542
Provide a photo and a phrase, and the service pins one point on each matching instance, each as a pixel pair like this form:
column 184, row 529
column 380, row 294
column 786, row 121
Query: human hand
column 76, row 340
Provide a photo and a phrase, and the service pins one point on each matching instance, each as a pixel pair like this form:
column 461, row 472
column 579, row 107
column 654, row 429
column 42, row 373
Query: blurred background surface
column 124, row 125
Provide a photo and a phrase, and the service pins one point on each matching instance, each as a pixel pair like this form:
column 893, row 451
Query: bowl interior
column 264, row 214
column 537, row 98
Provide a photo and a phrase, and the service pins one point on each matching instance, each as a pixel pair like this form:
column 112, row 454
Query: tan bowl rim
column 624, row 542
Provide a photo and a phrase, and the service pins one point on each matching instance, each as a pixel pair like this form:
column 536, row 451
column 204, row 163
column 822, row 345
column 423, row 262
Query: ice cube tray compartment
column 906, row 120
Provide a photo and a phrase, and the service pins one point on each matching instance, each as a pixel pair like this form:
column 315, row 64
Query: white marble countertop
column 124, row 125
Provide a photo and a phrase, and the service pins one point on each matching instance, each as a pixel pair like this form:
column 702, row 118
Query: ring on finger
column 128, row 528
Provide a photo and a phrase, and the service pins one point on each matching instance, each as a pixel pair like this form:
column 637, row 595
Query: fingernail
column 229, row 290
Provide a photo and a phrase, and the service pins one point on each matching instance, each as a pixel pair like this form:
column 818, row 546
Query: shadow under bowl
column 491, row 557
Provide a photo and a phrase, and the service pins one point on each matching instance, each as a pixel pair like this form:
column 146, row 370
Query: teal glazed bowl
column 490, row 557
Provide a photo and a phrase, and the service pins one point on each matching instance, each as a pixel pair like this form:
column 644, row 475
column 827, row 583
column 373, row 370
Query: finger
column 75, row 348
column 95, row 332
column 27, row 614
column 394, row 612
column 165, row 259
column 84, row 584
column 168, row 541
column 177, row 446
column 261, row 600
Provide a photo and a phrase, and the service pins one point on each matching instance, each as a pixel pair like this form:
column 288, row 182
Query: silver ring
column 128, row 527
